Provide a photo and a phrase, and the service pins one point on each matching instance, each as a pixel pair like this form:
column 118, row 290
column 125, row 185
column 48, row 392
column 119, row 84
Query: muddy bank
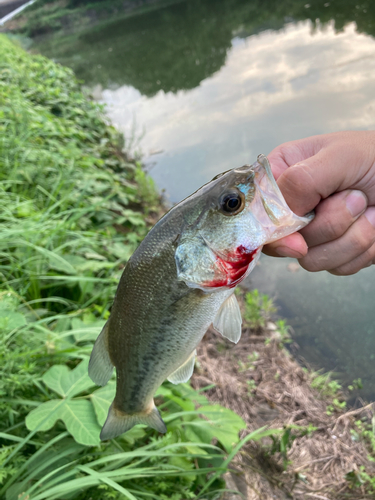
column 320, row 453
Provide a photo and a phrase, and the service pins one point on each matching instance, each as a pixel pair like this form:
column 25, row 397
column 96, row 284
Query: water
column 203, row 86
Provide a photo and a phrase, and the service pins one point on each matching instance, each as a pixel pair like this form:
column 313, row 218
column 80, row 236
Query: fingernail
column 370, row 215
column 287, row 252
column 356, row 202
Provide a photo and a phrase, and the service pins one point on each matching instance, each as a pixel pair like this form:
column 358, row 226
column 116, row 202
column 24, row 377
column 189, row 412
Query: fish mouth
column 278, row 219
column 263, row 161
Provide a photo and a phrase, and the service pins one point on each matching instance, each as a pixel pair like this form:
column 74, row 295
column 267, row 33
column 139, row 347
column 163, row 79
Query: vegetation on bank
column 72, row 211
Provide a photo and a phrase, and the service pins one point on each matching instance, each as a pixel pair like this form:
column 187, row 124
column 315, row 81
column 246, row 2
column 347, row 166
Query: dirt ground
column 260, row 380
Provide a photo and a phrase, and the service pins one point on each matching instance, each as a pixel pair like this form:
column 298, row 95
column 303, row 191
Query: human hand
column 335, row 175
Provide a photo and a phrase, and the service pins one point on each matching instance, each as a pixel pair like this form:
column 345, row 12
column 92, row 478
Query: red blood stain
column 234, row 268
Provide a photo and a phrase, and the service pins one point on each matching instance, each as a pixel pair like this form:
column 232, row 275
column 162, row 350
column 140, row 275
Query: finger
column 358, row 239
column 364, row 260
column 334, row 216
column 293, row 152
column 291, row 246
column 335, row 167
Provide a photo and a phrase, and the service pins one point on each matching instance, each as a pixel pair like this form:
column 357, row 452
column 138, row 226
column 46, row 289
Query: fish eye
column 232, row 203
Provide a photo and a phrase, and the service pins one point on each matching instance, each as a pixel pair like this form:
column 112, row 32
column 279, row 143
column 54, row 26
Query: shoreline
column 316, row 453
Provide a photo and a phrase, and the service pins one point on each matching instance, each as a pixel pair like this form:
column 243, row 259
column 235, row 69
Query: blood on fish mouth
column 235, row 269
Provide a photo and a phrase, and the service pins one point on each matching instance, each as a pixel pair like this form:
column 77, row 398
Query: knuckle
column 364, row 260
column 332, row 218
column 345, row 270
column 314, row 262
column 333, row 229
column 362, row 240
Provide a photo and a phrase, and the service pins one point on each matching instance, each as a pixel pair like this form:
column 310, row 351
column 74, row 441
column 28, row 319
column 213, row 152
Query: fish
column 179, row 281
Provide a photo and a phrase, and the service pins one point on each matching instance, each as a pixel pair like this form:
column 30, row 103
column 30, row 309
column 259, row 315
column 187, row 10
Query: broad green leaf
column 102, row 399
column 67, row 382
column 133, row 434
column 121, row 251
column 77, row 415
column 222, row 424
column 223, row 416
column 58, row 262
column 83, row 331
column 49, row 411
column 187, row 392
column 8, row 301
column 9, row 320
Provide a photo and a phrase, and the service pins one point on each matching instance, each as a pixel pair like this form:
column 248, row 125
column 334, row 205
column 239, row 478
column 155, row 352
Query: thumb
column 307, row 182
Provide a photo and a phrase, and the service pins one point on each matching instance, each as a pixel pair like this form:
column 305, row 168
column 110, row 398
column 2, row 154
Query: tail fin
column 100, row 365
column 117, row 422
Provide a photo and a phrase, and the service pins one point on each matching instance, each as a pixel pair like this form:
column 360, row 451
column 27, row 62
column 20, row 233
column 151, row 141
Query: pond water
column 200, row 87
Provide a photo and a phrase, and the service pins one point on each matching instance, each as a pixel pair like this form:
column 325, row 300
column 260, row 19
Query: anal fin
column 185, row 371
column 100, row 365
column 228, row 320
column 118, row 422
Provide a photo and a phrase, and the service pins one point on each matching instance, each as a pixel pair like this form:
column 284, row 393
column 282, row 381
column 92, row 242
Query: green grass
column 71, row 213
column 258, row 309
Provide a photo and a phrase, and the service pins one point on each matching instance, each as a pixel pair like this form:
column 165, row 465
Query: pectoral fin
column 197, row 265
column 100, row 365
column 185, row 371
column 228, row 320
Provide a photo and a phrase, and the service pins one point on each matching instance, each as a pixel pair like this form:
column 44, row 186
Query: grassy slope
column 72, row 210
column 63, row 187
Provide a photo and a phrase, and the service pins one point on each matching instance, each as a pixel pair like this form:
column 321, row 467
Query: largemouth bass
column 180, row 280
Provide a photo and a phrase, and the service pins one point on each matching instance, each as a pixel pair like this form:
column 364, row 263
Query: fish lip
column 263, row 162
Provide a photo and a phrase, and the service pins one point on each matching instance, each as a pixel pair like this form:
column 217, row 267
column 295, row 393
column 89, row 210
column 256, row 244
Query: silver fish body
column 179, row 281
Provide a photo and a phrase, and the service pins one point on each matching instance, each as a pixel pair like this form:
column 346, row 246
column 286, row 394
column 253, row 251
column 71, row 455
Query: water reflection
column 332, row 317
column 316, row 81
column 177, row 47
column 210, row 84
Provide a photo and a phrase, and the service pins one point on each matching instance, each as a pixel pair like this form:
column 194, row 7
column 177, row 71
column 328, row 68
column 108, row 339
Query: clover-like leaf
column 68, row 383
column 77, row 415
